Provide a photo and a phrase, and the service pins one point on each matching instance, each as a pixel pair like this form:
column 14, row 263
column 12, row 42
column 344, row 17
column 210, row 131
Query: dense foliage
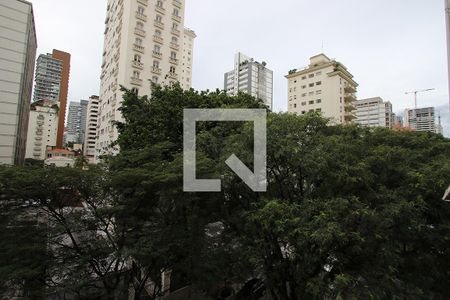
column 350, row 212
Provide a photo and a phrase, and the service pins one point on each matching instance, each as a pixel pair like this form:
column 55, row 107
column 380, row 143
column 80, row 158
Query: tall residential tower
column 145, row 41
column 251, row 77
column 17, row 60
column 52, row 83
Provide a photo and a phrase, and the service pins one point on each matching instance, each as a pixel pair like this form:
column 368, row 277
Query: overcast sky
column 390, row 46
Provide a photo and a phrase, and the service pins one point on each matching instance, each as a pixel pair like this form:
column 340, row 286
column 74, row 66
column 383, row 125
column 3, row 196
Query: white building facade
column 421, row 119
column 251, row 77
column 17, row 61
column 325, row 86
column 90, row 131
column 42, row 128
column 374, row 112
column 144, row 43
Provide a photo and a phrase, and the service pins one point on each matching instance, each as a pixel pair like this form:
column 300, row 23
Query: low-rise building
column 60, row 158
column 374, row 112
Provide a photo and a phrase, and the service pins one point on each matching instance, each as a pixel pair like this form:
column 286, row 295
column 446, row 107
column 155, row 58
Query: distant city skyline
column 403, row 51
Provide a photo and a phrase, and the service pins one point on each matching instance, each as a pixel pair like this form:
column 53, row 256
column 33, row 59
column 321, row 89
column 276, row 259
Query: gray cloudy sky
column 390, row 46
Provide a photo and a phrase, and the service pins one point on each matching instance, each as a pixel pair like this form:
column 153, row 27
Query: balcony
column 119, row 27
column 176, row 18
column 139, row 32
column 114, row 87
column 156, row 70
column 349, row 107
column 177, row 3
column 174, row 46
column 350, row 89
column 349, row 98
column 138, row 48
column 173, row 61
column 137, row 65
column 36, row 154
column 39, row 132
column 141, row 17
column 38, row 138
column 38, row 144
column 158, row 39
column 349, row 116
column 143, row 2
column 157, row 55
column 136, row 81
column 158, row 24
column 116, row 56
column 37, row 149
column 173, row 75
column 175, row 32
column 40, row 123
column 160, row 10
column 116, row 72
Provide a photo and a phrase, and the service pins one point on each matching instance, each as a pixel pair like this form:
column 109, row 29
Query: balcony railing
column 176, row 32
column 350, row 89
column 173, row 60
column 143, row 2
column 161, row 10
column 156, row 70
column 158, row 24
column 173, row 75
column 349, row 98
column 139, row 32
column 177, row 3
column 176, row 18
column 137, row 64
column 158, row 39
column 135, row 81
column 141, row 17
column 174, row 46
column 138, row 48
column 157, row 54
column 116, row 56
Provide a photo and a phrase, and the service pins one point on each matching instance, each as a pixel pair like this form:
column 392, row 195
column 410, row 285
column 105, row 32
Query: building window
column 175, row 12
column 311, row 75
column 155, row 79
column 136, row 74
column 134, row 91
column 319, row 101
column 303, row 103
column 304, row 95
column 311, row 102
column 173, row 55
column 311, row 85
column 318, row 82
column 319, row 92
column 141, row 10
column 172, row 70
column 295, row 105
column 175, row 26
column 158, row 32
column 137, row 58
column 304, row 77
column 156, row 64
column 158, row 19
column 139, row 25
column 138, row 42
column 319, row 73
column 174, row 40
column 303, row 86
column 159, row 3
column 157, row 49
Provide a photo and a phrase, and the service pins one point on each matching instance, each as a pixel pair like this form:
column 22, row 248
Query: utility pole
column 416, row 92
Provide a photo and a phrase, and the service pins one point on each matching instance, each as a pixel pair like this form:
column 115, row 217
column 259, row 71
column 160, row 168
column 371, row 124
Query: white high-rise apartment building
column 421, row 119
column 374, row 112
column 42, row 128
column 144, row 43
column 324, row 86
column 17, row 60
column 76, row 121
column 90, row 131
column 251, row 77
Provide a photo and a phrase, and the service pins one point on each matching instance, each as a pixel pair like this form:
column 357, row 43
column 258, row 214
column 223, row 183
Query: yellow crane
column 415, row 95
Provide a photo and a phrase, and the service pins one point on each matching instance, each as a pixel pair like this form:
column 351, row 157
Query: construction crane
column 415, row 95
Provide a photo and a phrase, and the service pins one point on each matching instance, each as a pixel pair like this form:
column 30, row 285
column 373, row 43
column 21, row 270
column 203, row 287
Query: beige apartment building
column 17, row 61
column 42, row 128
column 145, row 41
column 90, row 131
column 325, row 86
column 374, row 112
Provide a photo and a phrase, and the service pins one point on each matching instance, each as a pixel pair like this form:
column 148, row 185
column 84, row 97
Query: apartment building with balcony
column 42, row 128
column 144, row 43
column 374, row 112
column 325, row 86
column 90, row 131
column 421, row 119
column 17, row 60
column 251, row 77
